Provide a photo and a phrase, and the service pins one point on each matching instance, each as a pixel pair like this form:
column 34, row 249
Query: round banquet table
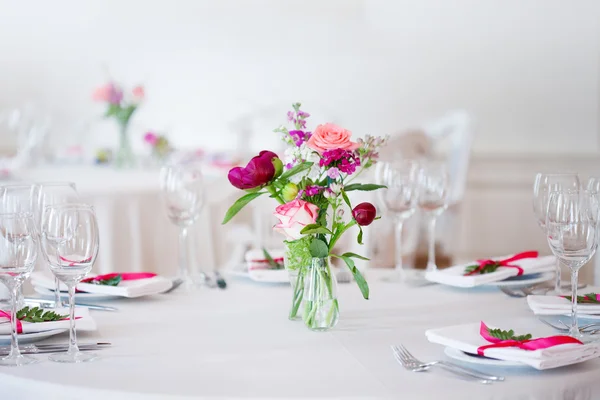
column 238, row 343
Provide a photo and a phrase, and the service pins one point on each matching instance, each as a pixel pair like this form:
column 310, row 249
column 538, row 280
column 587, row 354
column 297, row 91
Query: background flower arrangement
column 311, row 185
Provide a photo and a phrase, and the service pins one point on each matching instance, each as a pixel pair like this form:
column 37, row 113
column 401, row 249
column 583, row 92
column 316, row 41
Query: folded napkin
column 132, row 284
column 564, row 350
column 455, row 276
column 256, row 259
column 557, row 305
column 84, row 322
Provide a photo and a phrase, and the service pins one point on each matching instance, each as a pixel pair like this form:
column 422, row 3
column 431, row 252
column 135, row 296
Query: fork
column 512, row 293
column 564, row 327
column 408, row 361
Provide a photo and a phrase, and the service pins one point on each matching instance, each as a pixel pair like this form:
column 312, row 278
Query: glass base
column 17, row 361
column 75, row 357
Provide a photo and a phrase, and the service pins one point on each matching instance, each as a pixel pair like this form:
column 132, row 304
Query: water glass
column 183, row 194
column 433, row 201
column 18, row 253
column 70, row 243
column 572, row 227
column 543, row 185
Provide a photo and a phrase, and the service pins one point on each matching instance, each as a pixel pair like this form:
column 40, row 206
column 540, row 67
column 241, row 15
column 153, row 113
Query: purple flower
column 298, row 137
column 313, row 190
column 290, row 116
column 302, row 114
column 333, row 173
column 302, row 123
column 342, row 160
column 289, row 165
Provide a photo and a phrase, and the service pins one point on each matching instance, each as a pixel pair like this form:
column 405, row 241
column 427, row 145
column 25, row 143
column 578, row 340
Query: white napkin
column 555, row 305
column 467, row 338
column 454, row 276
column 84, row 322
column 133, row 288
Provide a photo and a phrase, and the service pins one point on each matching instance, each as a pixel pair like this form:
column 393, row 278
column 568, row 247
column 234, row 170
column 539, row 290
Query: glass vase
column 124, row 158
column 295, row 259
column 321, row 310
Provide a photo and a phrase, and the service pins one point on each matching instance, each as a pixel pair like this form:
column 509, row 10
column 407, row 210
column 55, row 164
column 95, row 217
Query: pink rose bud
column 364, row 213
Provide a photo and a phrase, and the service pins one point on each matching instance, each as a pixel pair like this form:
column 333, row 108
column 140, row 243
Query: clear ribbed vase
column 320, row 304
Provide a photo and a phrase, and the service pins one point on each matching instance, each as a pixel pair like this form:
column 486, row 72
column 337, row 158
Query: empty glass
column 70, row 246
column 183, row 194
column 433, row 201
column 49, row 194
column 18, row 253
column 400, row 200
column 571, row 227
column 543, row 185
column 593, row 185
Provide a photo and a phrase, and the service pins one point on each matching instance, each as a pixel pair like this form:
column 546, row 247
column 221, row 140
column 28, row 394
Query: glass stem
column 399, row 224
column 72, row 335
column 558, row 282
column 183, row 268
column 57, row 302
column 14, row 342
column 574, row 327
column 431, row 266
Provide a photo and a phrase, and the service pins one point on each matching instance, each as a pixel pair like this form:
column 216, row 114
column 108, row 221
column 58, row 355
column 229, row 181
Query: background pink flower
column 138, row 93
column 108, row 93
column 151, row 138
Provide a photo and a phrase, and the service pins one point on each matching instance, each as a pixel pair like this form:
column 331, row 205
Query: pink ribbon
column 532, row 344
column 127, row 276
column 19, row 324
column 504, row 263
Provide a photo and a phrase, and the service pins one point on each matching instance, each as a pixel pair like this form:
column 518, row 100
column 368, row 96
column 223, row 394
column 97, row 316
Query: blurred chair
column 447, row 139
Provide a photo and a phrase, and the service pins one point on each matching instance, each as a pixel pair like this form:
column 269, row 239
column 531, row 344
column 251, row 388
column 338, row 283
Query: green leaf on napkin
column 274, row 264
column 114, row 281
column 589, row 298
column 508, row 335
column 485, row 270
column 37, row 314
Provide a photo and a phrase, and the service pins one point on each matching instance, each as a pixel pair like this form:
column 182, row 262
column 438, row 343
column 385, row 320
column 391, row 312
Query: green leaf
column 348, row 254
column 274, row 264
column 113, row 109
column 485, row 270
column 346, row 199
column 37, row 314
column 359, row 238
column 314, row 229
column 114, row 281
column 589, row 298
column 508, row 335
column 364, row 187
column 318, row 248
column 239, row 204
column 297, row 169
column 360, row 280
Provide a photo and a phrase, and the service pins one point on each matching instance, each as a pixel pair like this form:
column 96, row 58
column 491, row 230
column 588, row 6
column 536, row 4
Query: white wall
column 528, row 70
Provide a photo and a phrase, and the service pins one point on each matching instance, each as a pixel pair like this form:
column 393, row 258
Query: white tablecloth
column 238, row 343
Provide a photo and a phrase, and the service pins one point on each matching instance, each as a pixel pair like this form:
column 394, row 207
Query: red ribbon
column 128, row 276
column 532, row 344
column 504, row 263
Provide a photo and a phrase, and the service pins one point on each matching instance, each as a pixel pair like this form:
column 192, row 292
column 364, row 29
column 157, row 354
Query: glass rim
column 17, row 215
column 71, row 206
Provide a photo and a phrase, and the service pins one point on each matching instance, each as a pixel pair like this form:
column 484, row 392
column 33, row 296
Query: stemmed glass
column 543, row 185
column 183, row 194
column 18, row 253
column 70, row 246
column 593, row 185
column 400, row 199
column 53, row 193
column 572, row 227
column 433, row 201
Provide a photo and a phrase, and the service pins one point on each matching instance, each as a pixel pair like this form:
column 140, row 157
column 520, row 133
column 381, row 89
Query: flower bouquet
column 120, row 108
column 312, row 189
column 161, row 148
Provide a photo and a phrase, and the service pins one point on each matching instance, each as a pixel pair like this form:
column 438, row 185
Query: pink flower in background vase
column 330, row 136
column 151, row 138
column 138, row 93
column 294, row 216
column 108, row 93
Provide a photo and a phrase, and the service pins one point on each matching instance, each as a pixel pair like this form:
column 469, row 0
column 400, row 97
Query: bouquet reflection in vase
column 315, row 209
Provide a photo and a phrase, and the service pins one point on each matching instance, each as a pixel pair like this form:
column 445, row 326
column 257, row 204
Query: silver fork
column 408, row 361
column 512, row 293
column 564, row 326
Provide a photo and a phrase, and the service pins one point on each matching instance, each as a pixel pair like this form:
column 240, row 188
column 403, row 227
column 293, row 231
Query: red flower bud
column 259, row 171
column 364, row 213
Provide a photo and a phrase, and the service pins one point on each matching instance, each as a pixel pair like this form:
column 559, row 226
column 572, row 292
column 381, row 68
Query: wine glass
column 70, row 246
column 18, row 253
column 400, row 200
column 433, row 201
column 571, row 228
column 183, row 194
column 593, row 184
column 542, row 186
column 53, row 193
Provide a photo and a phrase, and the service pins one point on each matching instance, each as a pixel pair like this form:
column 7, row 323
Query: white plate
column 49, row 294
column 524, row 280
column 25, row 338
column 278, row 277
column 475, row 359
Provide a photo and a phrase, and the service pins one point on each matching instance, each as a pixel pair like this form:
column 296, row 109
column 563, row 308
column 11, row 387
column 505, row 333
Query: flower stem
column 339, row 234
column 273, row 193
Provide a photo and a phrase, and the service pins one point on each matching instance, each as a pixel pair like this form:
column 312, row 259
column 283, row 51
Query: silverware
column 176, row 283
column 53, row 348
column 51, row 304
column 207, row 281
column 512, row 293
column 408, row 361
column 566, row 328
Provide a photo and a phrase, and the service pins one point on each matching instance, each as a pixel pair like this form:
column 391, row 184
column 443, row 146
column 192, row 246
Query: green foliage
column 314, row 229
column 239, row 204
column 508, row 335
column 360, row 280
column 589, row 298
column 37, row 314
column 319, row 249
column 298, row 253
column 114, row 281
column 274, row 264
column 363, row 187
column 296, row 169
column 485, row 270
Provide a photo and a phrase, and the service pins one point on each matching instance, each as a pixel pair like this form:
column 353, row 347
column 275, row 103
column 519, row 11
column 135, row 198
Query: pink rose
column 294, row 216
column 138, row 93
column 108, row 93
column 330, row 136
